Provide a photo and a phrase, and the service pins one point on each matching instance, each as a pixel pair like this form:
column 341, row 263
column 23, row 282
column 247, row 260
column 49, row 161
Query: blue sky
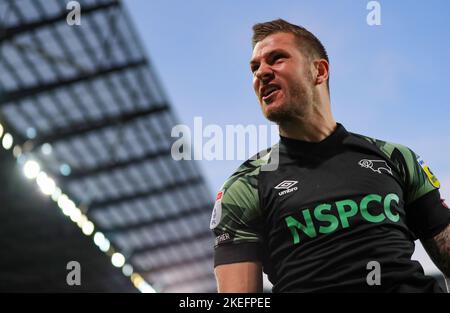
column 390, row 81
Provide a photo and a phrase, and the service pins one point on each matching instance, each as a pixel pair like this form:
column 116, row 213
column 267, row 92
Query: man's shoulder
column 249, row 170
column 387, row 147
column 239, row 192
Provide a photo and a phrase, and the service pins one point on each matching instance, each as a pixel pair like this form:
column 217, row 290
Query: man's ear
column 321, row 68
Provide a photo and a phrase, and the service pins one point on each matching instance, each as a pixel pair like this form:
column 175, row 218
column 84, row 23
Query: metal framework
column 90, row 92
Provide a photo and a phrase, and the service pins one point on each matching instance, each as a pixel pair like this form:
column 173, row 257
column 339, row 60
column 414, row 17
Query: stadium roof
column 85, row 103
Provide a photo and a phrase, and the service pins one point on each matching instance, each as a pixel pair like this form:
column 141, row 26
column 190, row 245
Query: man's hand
column 239, row 277
column 438, row 249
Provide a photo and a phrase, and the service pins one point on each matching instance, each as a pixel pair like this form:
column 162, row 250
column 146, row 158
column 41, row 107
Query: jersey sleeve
column 236, row 221
column 426, row 212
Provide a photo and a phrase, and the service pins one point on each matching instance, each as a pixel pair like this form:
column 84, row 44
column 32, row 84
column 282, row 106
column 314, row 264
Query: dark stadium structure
column 83, row 102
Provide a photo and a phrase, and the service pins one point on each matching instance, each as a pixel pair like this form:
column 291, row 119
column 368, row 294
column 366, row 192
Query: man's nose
column 264, row 73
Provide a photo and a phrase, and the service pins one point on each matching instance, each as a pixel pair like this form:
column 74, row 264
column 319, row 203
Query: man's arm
column 239, row 277
column 438, row 248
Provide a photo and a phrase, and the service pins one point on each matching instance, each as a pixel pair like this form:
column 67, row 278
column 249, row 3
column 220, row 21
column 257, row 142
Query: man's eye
column 254, row 69
column 278, row 57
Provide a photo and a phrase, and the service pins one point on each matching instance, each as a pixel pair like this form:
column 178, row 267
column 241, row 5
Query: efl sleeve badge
column 433, row 180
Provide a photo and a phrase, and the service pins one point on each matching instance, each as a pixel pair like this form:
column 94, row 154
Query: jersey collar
column 327, row 145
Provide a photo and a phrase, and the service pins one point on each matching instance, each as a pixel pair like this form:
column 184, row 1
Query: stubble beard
column 298, row 107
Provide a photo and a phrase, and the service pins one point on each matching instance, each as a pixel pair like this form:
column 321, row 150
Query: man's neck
column 313, row 128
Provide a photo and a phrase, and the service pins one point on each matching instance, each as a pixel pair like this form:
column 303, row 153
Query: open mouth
column 268, row 92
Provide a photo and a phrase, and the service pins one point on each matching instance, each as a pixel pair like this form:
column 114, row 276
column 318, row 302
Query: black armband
column 427, row 216
column 237, row 252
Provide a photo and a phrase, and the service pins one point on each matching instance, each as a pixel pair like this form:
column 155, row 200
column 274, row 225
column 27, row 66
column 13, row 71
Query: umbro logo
column 376, row 165
column 287, row 186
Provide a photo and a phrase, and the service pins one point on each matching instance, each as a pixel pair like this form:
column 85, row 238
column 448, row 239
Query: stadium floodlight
column 136, row 279
column 46, row 148
column 7, row 141
column 31, row 133
column 45, row 183
column 21, row 159
column 17, row 151
column 117, row 259
column 83, row 219
column 141, row 284
column 65, row 169
column 127, row 270
column 75, row 215
column 87, row 228
column 56, row 193
column 66, row 205
column 31, row 169
column 98, row 238
column 105, row 245
column 101, row 241
column 144, row 287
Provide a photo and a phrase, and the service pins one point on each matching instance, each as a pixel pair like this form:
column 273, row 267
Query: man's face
column 282, row 77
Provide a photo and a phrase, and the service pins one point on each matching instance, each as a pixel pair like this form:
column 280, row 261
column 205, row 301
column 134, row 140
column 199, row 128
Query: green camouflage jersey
column 317, row 215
